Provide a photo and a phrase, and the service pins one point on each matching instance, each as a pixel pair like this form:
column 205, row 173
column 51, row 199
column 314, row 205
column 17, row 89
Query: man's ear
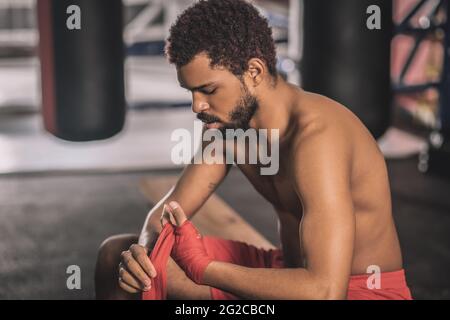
column 256, row 71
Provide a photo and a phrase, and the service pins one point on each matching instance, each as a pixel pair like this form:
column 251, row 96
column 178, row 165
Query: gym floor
column 51, row 221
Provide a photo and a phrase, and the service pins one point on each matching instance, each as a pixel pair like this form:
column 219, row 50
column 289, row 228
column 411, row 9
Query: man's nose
column 199, row 105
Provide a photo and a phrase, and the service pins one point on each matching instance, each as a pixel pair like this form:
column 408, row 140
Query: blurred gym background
column 66, row 184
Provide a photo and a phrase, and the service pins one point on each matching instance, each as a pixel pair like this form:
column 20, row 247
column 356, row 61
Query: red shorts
column 392, row 284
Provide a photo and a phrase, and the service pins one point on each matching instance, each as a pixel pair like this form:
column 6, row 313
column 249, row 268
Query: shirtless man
column 331, row 192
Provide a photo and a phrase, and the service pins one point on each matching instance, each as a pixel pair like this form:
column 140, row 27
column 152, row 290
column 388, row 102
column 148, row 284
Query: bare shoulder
column 328, row 111
column 328, row 129
column 323, row 120
column 322, row 154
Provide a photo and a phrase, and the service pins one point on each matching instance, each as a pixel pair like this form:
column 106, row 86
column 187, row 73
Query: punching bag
column 82, row 68
column 345, row 60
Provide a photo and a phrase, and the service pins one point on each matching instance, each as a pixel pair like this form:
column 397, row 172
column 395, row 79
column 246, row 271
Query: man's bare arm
column 322, row 179
column 196, row 183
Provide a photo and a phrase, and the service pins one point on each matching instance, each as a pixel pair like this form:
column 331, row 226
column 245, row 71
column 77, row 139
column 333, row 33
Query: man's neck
column 276, row 107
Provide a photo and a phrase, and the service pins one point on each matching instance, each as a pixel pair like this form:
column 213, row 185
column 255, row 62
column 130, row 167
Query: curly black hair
column 230, row 32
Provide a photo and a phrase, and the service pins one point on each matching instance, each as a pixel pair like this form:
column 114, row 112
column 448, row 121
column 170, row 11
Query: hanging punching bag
column 348, row 62
column 82, row 61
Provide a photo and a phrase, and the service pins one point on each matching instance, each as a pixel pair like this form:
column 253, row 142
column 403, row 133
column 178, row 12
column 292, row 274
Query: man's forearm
column 151, row 228
column 148, row 237
column 265, row 283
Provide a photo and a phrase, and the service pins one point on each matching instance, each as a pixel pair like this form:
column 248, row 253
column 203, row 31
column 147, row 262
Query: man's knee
column 110, row 249
column 107, row 267
column 178, row 285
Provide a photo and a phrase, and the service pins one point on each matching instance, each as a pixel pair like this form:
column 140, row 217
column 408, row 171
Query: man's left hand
column 188, row 251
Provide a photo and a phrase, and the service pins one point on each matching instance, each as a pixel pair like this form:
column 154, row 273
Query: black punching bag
column 346, row 61
column 82, row 68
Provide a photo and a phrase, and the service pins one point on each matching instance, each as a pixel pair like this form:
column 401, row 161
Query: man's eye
column 210, row 92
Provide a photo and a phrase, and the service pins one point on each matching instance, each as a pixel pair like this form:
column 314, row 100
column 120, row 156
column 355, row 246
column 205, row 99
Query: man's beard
column 239, row 117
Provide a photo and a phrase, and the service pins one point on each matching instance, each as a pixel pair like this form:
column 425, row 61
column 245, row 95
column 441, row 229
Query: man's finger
column 140, row 255
column 177, row 213
column 165, row 216
column 127, row 287
column 133, row 267
column 128, row 279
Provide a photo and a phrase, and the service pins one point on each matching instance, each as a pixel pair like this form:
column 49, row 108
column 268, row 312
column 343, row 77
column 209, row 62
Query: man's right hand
column 136, row 269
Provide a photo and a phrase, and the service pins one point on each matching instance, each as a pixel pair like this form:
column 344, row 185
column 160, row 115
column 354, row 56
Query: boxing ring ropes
column 148, row 23
column 142, row 33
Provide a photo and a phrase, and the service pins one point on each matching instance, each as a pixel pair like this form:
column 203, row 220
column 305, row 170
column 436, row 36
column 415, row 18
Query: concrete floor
column 48, row 222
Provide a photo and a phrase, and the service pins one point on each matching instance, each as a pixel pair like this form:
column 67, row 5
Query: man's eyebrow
column 198, row 87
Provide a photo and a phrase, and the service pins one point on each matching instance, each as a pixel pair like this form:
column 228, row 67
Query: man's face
column 219, row 98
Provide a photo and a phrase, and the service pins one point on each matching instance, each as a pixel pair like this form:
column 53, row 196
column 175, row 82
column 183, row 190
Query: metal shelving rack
column 429, row 26
column 436, row 158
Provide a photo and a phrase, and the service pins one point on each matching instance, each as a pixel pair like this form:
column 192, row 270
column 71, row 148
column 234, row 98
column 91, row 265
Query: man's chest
column 280, row 192
column 278, row 189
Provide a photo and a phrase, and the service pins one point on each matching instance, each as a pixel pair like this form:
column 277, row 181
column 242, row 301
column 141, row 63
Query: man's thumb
column 177, row 213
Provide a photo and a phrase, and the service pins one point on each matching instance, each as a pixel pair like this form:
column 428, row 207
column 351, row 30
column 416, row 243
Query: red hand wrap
column 189, row 251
